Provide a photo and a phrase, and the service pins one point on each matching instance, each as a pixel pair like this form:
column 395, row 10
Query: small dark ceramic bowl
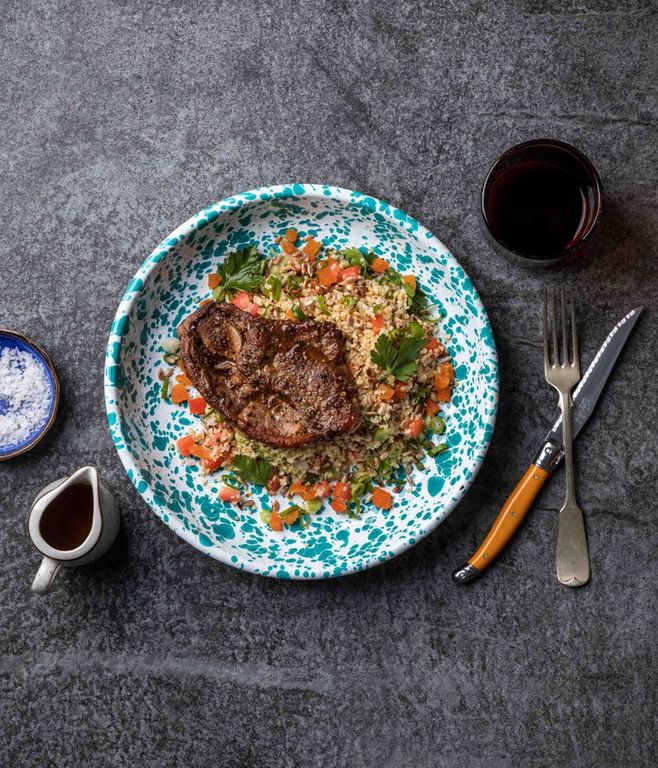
column 564, row 157
column 14, row 340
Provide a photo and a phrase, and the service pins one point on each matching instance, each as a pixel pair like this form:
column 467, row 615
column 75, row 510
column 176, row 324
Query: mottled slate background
column 119, row 120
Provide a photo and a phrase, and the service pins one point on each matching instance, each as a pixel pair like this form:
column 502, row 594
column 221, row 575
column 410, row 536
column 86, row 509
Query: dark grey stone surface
column 117, row 122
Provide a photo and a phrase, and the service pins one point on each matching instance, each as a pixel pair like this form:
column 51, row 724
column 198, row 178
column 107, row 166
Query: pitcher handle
column 45, row 575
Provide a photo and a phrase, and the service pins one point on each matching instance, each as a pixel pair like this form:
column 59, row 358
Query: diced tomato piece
column 444, row 376
column 345, row 274
column 213, row 464
column 276, row 523
column 339, row 506
column 385, row 392
column 274, row 484
column 377, row 323
column 343, row 491
column 415, row 427
column 214, row 280
column 442, row 395
column 242, row 300
column 322, row 489
column 434, row 343
column 179, row 394
column 410, row 280
column 201, row 452
column 382, row 499
column 229, row 494
column 197, row 405
column 431, row 407
column 291, row 235
column 184, row 444
column 379, row 265
column 253, row 309
column 312, row 248
column 288, row 247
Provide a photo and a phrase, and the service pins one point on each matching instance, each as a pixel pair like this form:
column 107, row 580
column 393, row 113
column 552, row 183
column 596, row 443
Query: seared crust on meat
column 280, row 382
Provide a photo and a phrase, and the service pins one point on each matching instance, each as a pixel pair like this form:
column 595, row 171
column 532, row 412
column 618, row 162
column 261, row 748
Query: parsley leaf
column 242, row 271
column 399, row 361
column 257, row 471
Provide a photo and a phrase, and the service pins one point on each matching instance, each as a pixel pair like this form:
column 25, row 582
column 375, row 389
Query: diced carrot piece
column 343, row 491
column 385, row 392
column 415, row 427
column 444, row 376
column 442, row 395
column 184, row 444
column 382, row 499
column 307, row 492
column 327, row 277
column 229, row 494
column 204, row 302
column 400, row 391
column 242, row 300
column 197, row 405
column 183, row 379
column 377, row 323
column 339, row 506
column 179, row 393
column 212, row 465
column 201, row 452
column 345, row 274
column 291, row 315
column 276, row 523
column 410, row 280
column 288, row 247
column 379, row 265
column 291, row 235
column 431, row 407
column 322, row 489
column 214, row 280
column 312, row 248
column 291, row 517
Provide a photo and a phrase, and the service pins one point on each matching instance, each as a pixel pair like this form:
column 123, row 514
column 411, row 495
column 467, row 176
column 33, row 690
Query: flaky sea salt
column 24, row 396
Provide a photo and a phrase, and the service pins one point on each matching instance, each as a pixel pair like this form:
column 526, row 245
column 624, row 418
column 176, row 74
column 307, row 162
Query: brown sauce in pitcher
column 66, row 521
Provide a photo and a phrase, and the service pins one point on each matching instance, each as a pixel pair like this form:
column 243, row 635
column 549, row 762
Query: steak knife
column 550, row 454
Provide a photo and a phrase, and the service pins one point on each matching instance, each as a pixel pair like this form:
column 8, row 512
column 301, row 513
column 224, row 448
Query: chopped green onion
column 437, row 425
column 380, row 435
column 313, row 506
column 232, row 481
column 322, row 303
column 272, row 287
column 170, row 358
column 164, row 390
column 438, row 449
column 265, row 515
column 349, row 301
column 289, row 510
column 298, row 313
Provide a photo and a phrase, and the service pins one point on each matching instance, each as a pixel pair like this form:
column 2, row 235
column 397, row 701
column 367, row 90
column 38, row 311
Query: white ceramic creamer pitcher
column 72, row 521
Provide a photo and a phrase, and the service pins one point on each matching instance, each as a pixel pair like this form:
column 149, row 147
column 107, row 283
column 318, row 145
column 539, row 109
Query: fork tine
column 574, row 332
column 565, row 338
column 556, row 348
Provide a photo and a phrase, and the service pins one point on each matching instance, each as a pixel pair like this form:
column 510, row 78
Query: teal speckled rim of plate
column 169, row 285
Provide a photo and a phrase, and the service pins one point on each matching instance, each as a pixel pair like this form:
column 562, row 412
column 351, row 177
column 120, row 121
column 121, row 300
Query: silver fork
column 562, row 370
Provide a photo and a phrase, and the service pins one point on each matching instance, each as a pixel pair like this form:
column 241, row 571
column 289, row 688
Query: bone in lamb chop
column 281, row 383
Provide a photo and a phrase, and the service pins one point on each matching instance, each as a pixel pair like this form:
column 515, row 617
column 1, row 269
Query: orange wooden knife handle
column 509, row 518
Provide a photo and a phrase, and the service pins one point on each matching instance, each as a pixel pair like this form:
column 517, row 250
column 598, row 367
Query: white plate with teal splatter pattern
column 168, row 286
